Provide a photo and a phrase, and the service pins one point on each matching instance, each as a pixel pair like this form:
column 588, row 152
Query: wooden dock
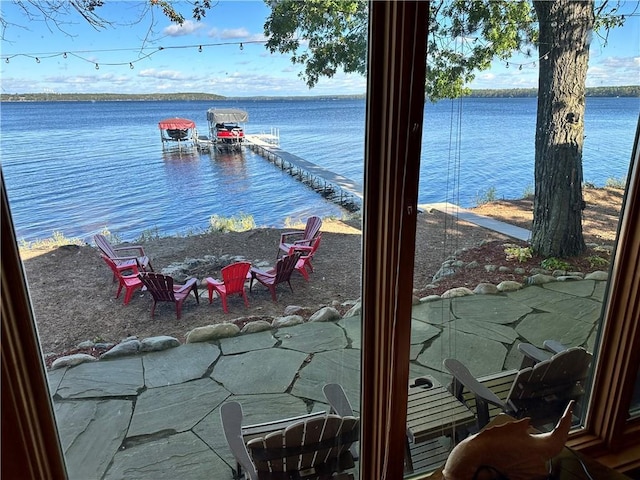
column 341, row 190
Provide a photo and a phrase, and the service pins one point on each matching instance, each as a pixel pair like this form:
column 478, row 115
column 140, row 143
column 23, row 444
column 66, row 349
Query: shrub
column 597, row 261
column 486, row 197
column 528, row 191
column 514, row 252
column 619, row 183
column 113, row 238
column 149, row 234
column 553, row 263
column 56, row 240
column 242, row 223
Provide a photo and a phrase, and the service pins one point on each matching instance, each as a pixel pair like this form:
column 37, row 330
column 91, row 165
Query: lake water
column 80, row 167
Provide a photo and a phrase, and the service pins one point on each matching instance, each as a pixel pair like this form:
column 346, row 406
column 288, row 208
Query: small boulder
column 509, row 286
column 326, row 314
column 457, row 292
column 162, row 342
column 293, row 310
column 430, row 298
column 257, row 326
column 123, row 349
column 72, row 360
column 212, row 332
column 354, row 311
column 540, row 279
column 288, row 321
column 485, row 289
column 599, row 275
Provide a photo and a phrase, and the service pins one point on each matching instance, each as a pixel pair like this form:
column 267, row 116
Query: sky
column 206, row 56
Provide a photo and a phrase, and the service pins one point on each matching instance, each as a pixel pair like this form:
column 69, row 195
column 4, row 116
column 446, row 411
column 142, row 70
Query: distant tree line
column 104, row 97
column 625, row 91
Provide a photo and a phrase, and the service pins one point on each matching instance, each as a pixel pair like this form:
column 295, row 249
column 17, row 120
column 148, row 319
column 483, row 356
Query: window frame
column 609, row 436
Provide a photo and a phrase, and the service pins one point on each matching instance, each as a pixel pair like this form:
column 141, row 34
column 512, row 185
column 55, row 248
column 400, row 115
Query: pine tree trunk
column 565, row 32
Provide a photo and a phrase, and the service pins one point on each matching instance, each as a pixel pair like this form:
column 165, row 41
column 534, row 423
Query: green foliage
column 528, row 191
column 619, row 183
column 488, row 196
column 553, row 263
column 242, row 223
column 113, row 238
column 56, row 240
column 597, row 261
column 322, row 35
column 521, row 254
column 148, row 234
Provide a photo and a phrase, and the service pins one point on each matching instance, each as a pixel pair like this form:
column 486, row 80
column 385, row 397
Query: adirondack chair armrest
column 532, row 355
column 299, row 248
column 128, row 266
column 130, row 247
column 231, row 417
column 554, row 346
column 213, row 281
column 298, row 243
column 483, row 396
column 125, row 257
column 284, row 235
column 190, row 283
column 263, row 273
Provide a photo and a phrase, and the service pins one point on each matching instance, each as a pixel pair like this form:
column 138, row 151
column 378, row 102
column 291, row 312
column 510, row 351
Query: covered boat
column 225, row 127
column 177, row 130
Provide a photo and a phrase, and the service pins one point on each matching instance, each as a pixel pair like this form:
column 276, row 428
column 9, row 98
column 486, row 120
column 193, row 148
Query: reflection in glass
column 634, row 409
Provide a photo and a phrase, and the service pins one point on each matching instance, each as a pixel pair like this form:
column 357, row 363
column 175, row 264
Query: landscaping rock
column 509, row 286
column 72, row 360
column 599, row 275
column 485, row 289
column 540, row 279
column 293, row 310
column 287, row 321
column 354, row 311
column 457, row 292
column 127, row 347
column 257, row 326
column 212, row 332
column 326, row 314
column 162, row 342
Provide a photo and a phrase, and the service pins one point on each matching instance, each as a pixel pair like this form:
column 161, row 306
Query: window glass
column 634, row 410
column 488, row 300
column 141, row 170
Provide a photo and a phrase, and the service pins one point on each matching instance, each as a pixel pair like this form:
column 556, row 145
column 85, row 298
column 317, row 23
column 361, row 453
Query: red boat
column 225, row 127
column 177, row 130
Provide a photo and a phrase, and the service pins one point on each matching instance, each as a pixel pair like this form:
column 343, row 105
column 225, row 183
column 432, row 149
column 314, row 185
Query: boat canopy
column 227, row 115
column 176, row 124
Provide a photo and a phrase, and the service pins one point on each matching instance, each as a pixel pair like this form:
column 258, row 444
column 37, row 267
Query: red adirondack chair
column 130, row 283
column 274, row 276
column 307, row 254
column 117, row 254
column 162, row 289
column 300, row 239
column 234, row 277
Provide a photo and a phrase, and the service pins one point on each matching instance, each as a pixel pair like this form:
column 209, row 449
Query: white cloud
column 187, row 28
column 229, row 33
column 613, row 71
column 161, row 74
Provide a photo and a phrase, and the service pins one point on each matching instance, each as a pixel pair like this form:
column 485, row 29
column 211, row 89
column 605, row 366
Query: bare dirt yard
column 73, row 294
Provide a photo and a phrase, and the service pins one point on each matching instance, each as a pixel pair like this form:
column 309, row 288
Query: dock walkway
column 480, row 220
column 335, row 187
column 348, row 193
